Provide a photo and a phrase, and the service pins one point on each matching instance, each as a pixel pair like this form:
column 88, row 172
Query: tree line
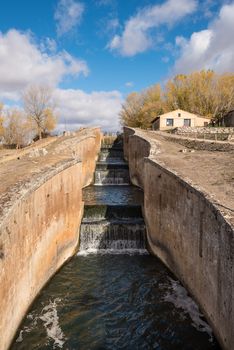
column 204, row 93
column 36, row 120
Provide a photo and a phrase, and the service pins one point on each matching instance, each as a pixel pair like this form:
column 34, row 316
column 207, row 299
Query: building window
column 187, row 122
column 179, row 114
column 169, row 122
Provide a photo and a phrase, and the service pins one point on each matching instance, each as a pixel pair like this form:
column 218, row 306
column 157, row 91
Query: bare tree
column 39, row 107
column 18, row 128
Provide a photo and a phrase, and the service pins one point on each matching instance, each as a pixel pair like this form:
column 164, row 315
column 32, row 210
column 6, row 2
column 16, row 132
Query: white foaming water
column 50, row 319
column 92, row 238
column 20, row 337
column 180, row 298
column 113, row 252
column 51, row 323
column 104, row 179
column 27, row 329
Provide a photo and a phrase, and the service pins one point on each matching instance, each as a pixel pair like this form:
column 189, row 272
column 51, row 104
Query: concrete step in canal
column 111, row 173
column 111, row 155
column 113, row 208
column 112, row 227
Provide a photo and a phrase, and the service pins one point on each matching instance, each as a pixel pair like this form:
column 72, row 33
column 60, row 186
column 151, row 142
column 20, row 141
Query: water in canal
column 113, row 294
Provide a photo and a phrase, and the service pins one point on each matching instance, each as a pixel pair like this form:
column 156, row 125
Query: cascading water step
column 110, row 235
column 109, row 154
column 111, row 169
column 112, row 217
column 112, row 227
column 111, row 151
column 114, row 176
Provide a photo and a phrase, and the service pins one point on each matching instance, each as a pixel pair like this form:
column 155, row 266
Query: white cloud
column 136, row 36
column 68, row 14
column 78, row 109
column 48, row 45
column 23, row 62
column 212, row 48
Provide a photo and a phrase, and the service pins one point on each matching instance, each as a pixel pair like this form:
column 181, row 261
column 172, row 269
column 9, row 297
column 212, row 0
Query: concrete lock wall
column 189, row 234
column 39, row 231
column 87, row 149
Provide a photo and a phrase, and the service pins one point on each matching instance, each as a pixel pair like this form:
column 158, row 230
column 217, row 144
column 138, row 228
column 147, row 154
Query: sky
column 95, row 52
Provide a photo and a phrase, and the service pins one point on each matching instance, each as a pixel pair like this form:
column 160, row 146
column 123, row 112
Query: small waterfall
column 111, row 173
column 110, row 155
column 117, row 227
column 112, row 236
column 111, row 177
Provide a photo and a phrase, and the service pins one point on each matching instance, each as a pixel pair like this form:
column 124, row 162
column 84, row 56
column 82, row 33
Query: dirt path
column 12, row 154
column 18, row 166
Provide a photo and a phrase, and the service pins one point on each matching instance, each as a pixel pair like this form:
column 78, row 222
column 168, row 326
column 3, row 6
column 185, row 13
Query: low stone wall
column 199, row 144
column 203, row 130
column 39, row 230
column 188, row 233
column 206, row 133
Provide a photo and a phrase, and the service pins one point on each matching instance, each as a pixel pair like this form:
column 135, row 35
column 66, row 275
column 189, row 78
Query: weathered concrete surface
column 40, row 219
column 188, row 232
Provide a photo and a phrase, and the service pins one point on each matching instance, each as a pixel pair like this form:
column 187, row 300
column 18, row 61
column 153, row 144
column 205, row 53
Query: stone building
column 178, row 118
